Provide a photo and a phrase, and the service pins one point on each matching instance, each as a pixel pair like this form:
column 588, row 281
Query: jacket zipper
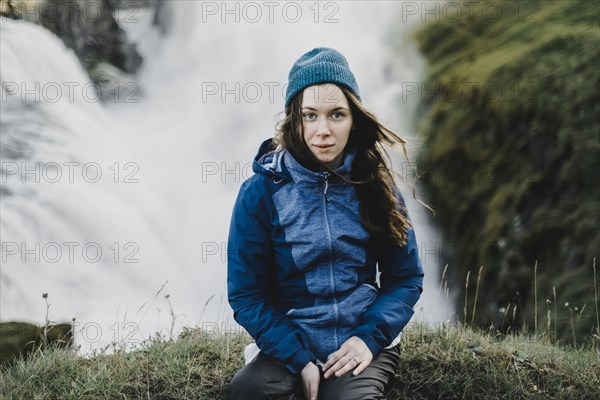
column 331, row 271
column 326, row 176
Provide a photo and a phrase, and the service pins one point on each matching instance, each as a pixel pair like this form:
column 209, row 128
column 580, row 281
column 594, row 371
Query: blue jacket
column 302, row 268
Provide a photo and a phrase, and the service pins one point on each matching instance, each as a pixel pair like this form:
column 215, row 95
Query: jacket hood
column 280, row 164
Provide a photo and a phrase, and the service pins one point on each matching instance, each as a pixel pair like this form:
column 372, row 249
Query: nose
column 323, row 128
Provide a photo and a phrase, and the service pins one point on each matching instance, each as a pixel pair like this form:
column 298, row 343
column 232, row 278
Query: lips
column 323, row 146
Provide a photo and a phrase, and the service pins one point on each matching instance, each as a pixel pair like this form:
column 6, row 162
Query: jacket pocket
column 321, row 315
column 318, row 324
column 353, row 306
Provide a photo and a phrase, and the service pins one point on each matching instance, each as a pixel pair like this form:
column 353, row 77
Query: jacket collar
column 282, row 165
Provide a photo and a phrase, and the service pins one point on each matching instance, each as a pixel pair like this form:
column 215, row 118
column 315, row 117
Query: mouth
column 323, row 146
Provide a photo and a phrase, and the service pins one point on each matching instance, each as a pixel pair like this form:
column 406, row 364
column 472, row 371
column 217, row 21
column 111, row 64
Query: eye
column 337, row 115
column 308, row 115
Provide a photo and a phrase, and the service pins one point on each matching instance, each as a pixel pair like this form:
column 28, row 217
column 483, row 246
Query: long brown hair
column 379, row 209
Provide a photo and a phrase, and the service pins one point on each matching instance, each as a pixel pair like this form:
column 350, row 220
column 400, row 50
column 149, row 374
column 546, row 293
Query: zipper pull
column 326, row 175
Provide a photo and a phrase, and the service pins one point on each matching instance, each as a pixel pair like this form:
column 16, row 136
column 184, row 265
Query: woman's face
column 326, row 121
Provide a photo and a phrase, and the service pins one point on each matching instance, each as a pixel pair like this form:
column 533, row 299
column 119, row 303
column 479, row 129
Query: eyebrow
column 334, row 109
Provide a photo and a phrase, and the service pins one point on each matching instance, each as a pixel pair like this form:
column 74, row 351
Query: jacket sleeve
column 250, row 271
column 401, row 282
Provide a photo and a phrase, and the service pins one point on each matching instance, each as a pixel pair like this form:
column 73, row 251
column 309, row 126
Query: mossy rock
column 20, row 339
column 530, row 156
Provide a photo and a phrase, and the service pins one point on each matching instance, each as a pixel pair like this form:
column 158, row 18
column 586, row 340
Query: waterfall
column 172, row 156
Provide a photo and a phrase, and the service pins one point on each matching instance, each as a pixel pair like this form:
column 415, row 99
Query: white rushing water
column 171, row 157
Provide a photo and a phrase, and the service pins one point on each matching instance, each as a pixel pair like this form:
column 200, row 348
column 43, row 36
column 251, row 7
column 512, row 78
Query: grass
column 196, row 365
column 453, row 360
column 448, row 362
column 460, row 362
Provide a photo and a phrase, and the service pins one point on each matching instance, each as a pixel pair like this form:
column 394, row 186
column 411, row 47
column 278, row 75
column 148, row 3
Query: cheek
column 307, row 132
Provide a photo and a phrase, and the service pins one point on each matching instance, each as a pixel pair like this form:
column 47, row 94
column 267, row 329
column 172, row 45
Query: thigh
column 372, row 383
column 265, row 378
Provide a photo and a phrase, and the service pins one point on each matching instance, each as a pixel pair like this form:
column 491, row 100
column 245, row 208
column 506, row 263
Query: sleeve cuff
column 371, row 344
column 299, row 361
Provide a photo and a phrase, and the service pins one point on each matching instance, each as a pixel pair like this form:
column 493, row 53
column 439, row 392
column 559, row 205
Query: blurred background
column 127, row 128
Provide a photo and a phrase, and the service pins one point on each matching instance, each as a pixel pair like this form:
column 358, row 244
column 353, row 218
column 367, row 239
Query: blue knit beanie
column 320, row 65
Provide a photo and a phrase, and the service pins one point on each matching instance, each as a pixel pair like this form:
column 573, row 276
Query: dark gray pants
column 268, row 378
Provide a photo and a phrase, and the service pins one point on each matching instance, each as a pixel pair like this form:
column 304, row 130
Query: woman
column 307, row 231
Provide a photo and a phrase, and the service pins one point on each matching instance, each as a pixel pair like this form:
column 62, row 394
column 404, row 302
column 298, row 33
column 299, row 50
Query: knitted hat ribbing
column 320, row 65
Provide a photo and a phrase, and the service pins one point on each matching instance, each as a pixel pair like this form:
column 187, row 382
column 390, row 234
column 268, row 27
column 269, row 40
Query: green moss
column 527, row 128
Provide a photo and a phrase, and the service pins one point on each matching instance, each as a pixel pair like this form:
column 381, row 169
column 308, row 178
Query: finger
column 314, row 390
column 361, row 367
column 335, row 357
column 307, row 392
column 332, row 370
column 348, row 367
column 337, row 366
column 311, row 389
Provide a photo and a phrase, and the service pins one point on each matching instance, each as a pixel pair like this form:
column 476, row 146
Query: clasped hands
column 352, row 355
